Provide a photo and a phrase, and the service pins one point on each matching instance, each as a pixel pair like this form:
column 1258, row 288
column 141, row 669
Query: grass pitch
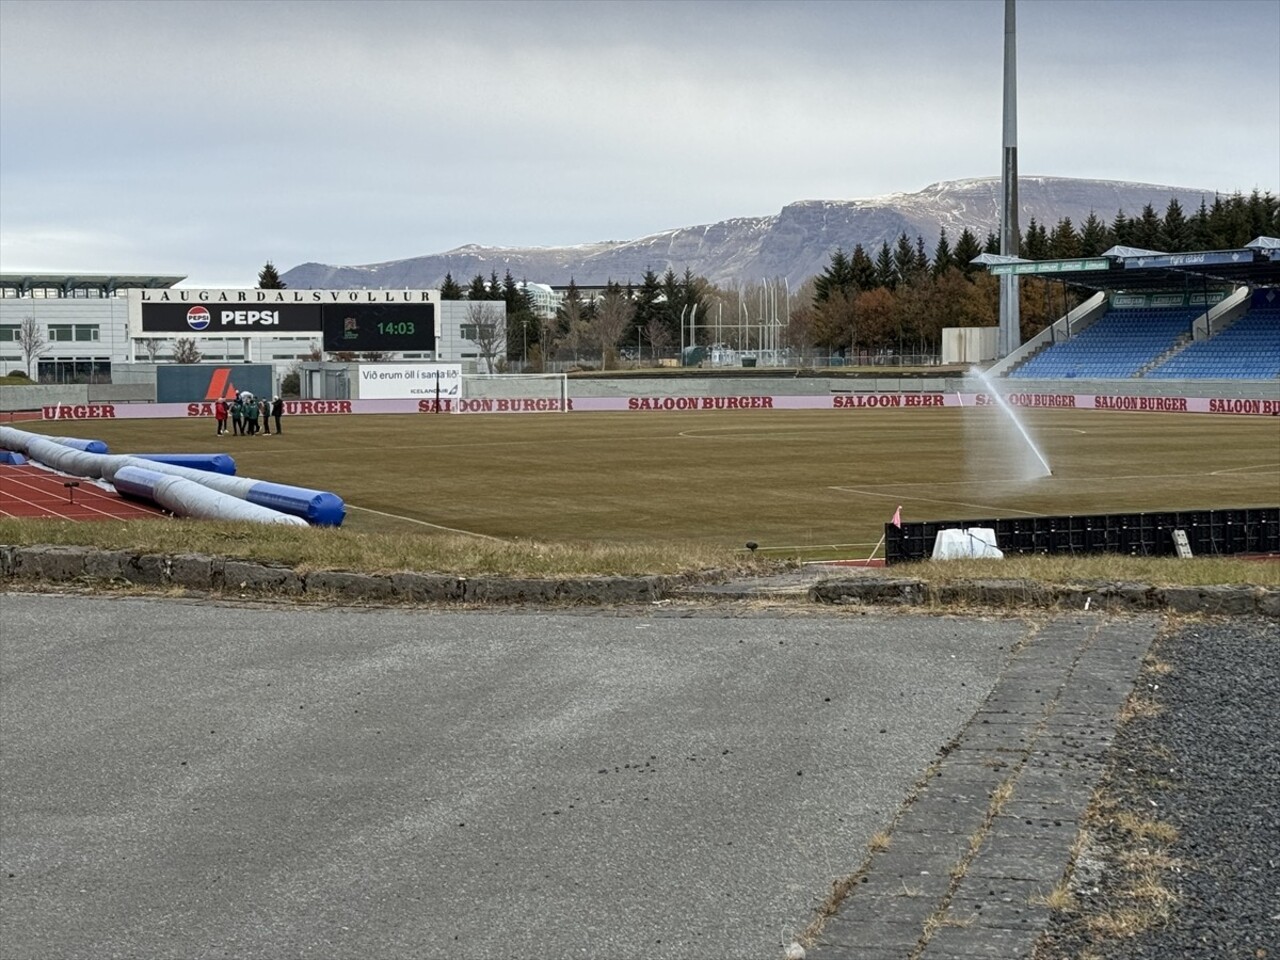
column 807, row 484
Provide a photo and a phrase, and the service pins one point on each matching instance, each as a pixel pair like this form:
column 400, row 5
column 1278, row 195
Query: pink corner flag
column 897, row 517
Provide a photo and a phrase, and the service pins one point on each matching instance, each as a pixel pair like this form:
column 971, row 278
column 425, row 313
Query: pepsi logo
column 198, row 318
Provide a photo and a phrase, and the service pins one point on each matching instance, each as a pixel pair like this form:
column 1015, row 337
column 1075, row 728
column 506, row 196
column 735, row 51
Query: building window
column 72, row 332
column 75, row 370
column 8, row 333
column 471, row 331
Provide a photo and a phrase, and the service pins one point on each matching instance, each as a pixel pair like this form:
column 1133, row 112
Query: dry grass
column 1141, row 859
column 1097, row 569
column 879, row 842
column 1144, row 829
column 1139, row 706
column 1060, row 899
column 309, row 549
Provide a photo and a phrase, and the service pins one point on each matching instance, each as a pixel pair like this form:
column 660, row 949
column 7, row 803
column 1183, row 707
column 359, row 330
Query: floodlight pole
column 1010, row 335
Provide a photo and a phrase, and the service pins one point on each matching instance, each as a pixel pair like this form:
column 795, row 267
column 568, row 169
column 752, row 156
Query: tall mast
column 1010, row 337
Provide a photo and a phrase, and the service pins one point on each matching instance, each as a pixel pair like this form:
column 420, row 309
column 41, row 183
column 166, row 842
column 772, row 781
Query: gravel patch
column 1208, row 764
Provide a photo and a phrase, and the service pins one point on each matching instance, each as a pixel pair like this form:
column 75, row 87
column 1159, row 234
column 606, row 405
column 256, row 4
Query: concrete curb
column 87, row 565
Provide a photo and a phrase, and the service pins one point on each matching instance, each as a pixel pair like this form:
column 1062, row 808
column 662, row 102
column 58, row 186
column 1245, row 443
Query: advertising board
column 187, row 382
column 399, row 381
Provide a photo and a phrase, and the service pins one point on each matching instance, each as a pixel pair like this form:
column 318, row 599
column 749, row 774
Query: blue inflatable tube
column 212, row 462
column 88, row 446
column 315, row 506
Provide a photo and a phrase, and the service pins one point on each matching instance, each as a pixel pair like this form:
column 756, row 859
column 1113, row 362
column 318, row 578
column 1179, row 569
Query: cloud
column 226, row 134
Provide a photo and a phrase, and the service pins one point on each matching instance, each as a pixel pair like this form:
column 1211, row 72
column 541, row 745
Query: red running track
column 29, row 491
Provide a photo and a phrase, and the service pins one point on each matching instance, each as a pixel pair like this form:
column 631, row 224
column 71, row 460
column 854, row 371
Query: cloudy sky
column 205, row 138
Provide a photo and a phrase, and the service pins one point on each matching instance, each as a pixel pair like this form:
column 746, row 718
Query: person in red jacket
column 220, row 414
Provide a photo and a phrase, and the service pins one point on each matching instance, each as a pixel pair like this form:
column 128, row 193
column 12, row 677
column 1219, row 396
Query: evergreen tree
column 838, row 276
column 478, row 290
column 495, row 286
column 1146, row 229
column 449, row 289
column 967, row 249
column 673, row 305
column 1121, row 230
column 521, row 328
column 992, row 245
column 1264, row 215
column 269, row 279
column 941, row 254
column 862, row 269
column 886, row 276
column 921, row 263
column 1035, row 245
column 1093, row 236
column 904, row 260
column 1198, row 225
column 1174, row 235
column 1064, row 243
column 649, row 310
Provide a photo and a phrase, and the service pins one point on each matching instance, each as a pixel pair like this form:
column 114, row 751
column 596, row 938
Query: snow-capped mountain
column 796, row 243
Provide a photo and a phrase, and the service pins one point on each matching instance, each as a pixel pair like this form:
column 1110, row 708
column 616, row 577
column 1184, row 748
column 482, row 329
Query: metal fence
column 1209, row 533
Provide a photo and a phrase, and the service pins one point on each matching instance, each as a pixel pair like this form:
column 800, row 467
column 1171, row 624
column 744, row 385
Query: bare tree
column 548, row 341
column 151, row 345
column 31, row 341
column 486, row 330
column 658, row 335
column 613, row 316
column 184, row 350
column 574, row 326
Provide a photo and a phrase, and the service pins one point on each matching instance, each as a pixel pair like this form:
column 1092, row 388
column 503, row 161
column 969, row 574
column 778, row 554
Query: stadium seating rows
column 1248, row 349
column 1124, row 343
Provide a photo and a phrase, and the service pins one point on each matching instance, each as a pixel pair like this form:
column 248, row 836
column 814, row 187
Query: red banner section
column 840, row 401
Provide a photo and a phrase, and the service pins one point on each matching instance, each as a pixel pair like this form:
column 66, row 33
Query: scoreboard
column 363, row 327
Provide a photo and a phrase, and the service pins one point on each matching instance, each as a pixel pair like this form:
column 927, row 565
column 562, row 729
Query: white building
column 545, row 300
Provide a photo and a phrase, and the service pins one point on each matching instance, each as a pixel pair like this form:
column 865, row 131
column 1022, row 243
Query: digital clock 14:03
column 384, row 327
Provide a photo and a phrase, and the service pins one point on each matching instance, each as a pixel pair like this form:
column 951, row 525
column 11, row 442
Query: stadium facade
column 84, row 323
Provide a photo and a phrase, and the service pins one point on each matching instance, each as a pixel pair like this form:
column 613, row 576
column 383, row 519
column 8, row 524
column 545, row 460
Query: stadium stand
column 1120, row 344
column 1248, row 349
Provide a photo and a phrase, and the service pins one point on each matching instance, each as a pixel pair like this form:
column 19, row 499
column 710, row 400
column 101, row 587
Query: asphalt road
column 182, row 778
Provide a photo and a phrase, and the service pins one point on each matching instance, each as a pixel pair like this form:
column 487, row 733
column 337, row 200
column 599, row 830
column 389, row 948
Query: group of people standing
column 246, row 412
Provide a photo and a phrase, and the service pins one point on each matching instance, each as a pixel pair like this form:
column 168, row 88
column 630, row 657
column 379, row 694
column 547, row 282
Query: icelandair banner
column 254, row 313
column 852, row 404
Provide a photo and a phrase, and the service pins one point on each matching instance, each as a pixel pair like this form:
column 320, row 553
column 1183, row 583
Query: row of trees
column 650, row 316
column 897, row 298
column 902, row 299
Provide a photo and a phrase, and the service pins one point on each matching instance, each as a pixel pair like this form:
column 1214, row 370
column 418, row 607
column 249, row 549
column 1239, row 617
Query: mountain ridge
column 795, row 243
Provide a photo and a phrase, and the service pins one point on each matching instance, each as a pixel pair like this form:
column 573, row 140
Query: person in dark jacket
column 237, row 416
column 277, row 410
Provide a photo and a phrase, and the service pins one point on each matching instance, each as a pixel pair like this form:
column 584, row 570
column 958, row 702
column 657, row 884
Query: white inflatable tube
column 190, row 499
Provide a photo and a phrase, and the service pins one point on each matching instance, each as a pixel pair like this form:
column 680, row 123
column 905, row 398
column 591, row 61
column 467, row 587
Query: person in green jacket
column 237, row 416
column 250, row 416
